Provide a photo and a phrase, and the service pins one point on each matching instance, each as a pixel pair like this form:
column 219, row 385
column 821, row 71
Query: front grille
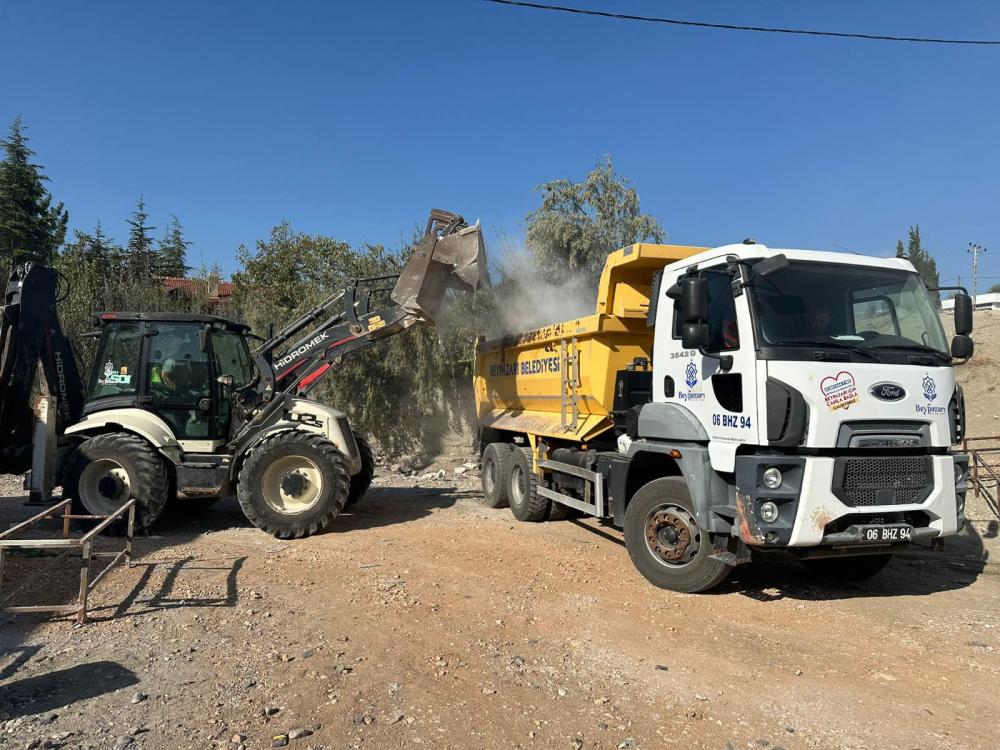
column 883, row 480
column 886, row 426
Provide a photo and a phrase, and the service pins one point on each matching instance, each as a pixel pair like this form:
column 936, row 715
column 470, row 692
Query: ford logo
column 887, row 391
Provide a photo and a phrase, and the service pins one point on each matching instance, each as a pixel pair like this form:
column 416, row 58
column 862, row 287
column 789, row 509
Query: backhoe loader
column 179, row 405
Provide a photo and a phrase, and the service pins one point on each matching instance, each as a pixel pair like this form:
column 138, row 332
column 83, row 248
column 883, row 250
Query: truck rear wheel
column 848, row 568
column 106, row 470
column 665, row 542
column 361, row 481
column 494, row 473
column 293, row 484
column 525, row 502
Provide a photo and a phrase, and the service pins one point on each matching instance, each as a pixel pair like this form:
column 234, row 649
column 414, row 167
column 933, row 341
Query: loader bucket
column 450, row 255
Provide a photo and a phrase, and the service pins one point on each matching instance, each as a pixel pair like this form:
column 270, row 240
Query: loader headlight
column 772, row 478
column 768, row 512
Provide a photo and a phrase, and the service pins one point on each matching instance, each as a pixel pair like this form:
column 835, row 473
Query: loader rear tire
column 522, row 485
column 361, row 481
column 494, row 473
column 664, row 540
column 293, row 484
column 106, row 470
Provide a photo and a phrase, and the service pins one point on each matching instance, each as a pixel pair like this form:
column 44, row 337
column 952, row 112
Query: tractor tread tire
column 145, row 467
column 535, row 508
column 558, row 511
column 499, row 456
column 293, row 526
column 361, row 481
column 701, row 573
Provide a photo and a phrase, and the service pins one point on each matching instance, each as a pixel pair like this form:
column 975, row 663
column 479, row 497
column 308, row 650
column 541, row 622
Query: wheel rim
column 518, row 486
column 104, row 486
column 672, row 535
column 489, row 476
column 292, row 484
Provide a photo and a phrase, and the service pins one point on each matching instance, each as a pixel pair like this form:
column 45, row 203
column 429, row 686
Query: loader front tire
column 494, row 473
column 293, row 484
column 522, row 484
column 106, row 470
column 361, row 481
column 664, row 540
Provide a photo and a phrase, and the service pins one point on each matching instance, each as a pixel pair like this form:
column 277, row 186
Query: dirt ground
column 423, row 619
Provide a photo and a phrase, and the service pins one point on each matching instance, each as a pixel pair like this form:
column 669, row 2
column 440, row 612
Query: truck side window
column 723, row 331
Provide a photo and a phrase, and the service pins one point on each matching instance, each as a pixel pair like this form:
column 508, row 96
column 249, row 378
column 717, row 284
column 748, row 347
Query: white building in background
column 990, row 301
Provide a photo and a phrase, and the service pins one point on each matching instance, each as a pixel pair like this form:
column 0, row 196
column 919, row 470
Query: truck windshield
column 873, row 311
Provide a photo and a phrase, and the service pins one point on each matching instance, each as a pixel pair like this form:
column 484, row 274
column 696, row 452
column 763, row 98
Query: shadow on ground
column 915, row 571
column 63, row 687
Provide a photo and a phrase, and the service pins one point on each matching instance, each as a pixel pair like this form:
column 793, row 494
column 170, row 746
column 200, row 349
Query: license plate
column 884, row 533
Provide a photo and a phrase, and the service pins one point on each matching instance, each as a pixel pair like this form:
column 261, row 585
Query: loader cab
column 183, row 368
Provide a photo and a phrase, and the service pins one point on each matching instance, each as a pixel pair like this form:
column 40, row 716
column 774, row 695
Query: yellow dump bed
column 558, row 381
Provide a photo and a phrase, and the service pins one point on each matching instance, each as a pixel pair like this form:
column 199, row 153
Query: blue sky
column 354, row 118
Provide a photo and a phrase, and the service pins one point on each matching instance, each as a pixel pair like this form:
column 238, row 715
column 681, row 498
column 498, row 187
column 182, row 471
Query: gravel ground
column 423, row 619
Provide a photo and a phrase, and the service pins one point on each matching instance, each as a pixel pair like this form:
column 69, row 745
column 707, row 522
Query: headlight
column 772, row 478
column 768, row 510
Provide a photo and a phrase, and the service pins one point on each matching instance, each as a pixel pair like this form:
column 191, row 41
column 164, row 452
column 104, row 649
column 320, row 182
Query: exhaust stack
column 450, row 255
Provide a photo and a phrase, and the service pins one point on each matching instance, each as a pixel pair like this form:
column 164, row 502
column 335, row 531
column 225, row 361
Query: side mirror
column 771, row 266
column 694, row 299
column 962, row 346
column 203, row 339
column 694, row 335
column 963, row 314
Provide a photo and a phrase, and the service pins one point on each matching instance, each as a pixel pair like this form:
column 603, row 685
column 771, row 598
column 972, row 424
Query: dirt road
column 425, row 620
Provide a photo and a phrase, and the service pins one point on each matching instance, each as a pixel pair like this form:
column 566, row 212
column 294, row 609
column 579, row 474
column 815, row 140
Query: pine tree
column 141, row 256
column 31, row 228
column 173, row 250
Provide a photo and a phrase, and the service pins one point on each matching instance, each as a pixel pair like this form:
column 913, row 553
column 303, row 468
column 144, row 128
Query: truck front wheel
column 665, row 542
column 293, row 484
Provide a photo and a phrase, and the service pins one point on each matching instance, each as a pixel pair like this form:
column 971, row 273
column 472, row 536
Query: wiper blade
column 830, row 344
column 916, row 347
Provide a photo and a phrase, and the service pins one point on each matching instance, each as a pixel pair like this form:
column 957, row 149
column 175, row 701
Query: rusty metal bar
column 35, row 518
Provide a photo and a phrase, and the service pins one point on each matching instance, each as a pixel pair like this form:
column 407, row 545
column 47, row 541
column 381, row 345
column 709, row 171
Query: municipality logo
column 930, row 388
column 691, row 375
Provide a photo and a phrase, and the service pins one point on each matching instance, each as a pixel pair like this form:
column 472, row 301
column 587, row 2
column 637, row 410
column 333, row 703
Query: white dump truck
column 733, row 399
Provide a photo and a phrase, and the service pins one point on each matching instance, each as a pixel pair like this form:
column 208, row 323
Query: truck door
column 724, row 402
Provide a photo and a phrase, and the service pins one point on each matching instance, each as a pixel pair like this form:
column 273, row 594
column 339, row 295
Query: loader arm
column 30, row 332
column 449, row 255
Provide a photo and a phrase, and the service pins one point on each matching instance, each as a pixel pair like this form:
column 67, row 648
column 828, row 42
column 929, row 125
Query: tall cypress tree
column 31, row 228
column 921, row 259
column 173, row 250
column 140, row 251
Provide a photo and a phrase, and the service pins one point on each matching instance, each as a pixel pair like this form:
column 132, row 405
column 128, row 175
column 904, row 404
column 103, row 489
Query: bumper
column 815, row 509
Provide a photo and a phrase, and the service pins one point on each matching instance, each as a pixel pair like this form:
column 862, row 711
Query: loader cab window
column 232, row 358
column 179, row 374
column 116, row 368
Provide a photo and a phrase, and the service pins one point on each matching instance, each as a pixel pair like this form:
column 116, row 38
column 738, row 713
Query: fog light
column 768, row 512
column 772, row 478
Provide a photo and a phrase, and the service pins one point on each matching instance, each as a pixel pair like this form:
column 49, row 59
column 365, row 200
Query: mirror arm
column 725, row 360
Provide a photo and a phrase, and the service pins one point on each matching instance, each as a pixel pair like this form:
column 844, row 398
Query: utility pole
column 975, row 250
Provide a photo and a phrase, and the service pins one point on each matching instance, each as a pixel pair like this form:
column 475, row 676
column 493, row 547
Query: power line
column 736, row 27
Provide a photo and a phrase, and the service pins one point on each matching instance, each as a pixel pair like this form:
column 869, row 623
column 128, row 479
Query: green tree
column 141, row 255
column 995, row 289
column 579, row 223
column 921, row 259
column 394, row 390
column 31, row 228
column 173, row 250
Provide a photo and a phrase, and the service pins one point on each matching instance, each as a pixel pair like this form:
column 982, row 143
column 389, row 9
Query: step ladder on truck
column 726, row 400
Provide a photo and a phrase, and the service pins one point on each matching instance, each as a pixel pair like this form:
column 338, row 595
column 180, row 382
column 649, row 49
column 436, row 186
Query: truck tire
column 494, row 473
column 525, row 503
column 664, row 540
column 293, row 484
column 558, row 511
column 102, row 473
column 848, row 568
column 361, row 481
